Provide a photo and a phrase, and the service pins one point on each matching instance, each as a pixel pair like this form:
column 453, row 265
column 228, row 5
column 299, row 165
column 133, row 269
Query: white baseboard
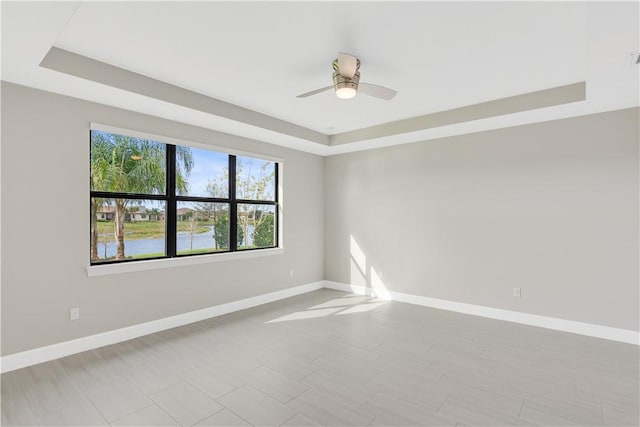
column 44, row 354
column 51, row 352
column 581, row 328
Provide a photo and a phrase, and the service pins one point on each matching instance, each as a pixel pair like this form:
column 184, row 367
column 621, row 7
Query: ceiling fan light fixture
column 346, row 88
column 346, row 81
column 345, row 92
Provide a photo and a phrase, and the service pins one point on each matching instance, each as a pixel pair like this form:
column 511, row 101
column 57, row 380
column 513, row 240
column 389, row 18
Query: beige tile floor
column 330, row 358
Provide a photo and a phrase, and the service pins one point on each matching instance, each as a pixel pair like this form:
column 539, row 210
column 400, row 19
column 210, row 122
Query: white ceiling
column 259, row 56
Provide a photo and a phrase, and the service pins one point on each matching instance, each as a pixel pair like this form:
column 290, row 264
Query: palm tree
column 95, row 205
column 99, row 167
column 122, row 164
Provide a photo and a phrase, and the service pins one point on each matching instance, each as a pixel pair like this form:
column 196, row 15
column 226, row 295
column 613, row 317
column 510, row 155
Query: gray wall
column 551, row 208
column 45, row 224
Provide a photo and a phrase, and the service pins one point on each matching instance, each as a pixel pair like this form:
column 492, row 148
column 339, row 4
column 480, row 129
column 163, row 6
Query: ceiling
column 238, row 66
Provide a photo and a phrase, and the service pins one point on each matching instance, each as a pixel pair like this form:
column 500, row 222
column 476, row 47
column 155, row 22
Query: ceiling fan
column 346, row 81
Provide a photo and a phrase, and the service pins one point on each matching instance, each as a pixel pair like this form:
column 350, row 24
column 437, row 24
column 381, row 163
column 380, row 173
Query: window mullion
column 233, row 206
column 201, row 199
column 131, row 196
column 170, row 215
column 276, row 238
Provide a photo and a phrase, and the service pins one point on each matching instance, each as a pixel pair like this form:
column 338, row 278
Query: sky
column 207, row 165
column 211, row 165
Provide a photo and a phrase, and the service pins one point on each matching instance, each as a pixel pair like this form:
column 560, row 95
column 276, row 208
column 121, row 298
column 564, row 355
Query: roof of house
column 183, row 211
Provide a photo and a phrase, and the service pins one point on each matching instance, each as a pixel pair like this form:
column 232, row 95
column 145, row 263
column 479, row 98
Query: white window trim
column 156, row 264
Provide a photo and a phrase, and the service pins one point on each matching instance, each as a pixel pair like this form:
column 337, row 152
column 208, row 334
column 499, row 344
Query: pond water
column 184, row 242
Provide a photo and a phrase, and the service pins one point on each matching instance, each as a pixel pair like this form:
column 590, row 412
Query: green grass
column 141, row 256
column 145, row 229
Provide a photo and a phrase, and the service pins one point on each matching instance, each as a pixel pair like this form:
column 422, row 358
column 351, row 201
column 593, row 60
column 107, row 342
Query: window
column 155, row 200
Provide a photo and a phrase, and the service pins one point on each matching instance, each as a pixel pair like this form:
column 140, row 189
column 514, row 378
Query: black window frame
column 171, row 199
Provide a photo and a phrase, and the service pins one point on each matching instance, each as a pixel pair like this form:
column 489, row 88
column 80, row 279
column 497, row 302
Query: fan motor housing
column 340, row 81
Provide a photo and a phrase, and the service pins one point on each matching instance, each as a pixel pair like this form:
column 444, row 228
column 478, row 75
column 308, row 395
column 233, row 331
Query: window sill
column 156, row 264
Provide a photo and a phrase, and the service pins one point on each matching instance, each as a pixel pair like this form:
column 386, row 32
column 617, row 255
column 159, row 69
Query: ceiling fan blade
column 348, row 64
column 376, row 91
column 313, row 92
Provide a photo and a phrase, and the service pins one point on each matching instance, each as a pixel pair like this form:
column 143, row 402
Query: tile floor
column 330, row 358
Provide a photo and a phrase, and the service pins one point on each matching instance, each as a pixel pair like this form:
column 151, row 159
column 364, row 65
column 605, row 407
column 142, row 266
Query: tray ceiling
column 252, row 59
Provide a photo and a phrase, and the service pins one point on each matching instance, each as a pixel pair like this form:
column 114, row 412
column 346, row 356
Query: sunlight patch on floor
column 307, row 314
column 362, row 308
column 363, row 276
column 350, row 305
column 341, row 302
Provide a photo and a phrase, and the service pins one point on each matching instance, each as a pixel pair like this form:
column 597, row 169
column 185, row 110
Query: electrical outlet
column 517, row 292
column 74, row 313
column 291, row 273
